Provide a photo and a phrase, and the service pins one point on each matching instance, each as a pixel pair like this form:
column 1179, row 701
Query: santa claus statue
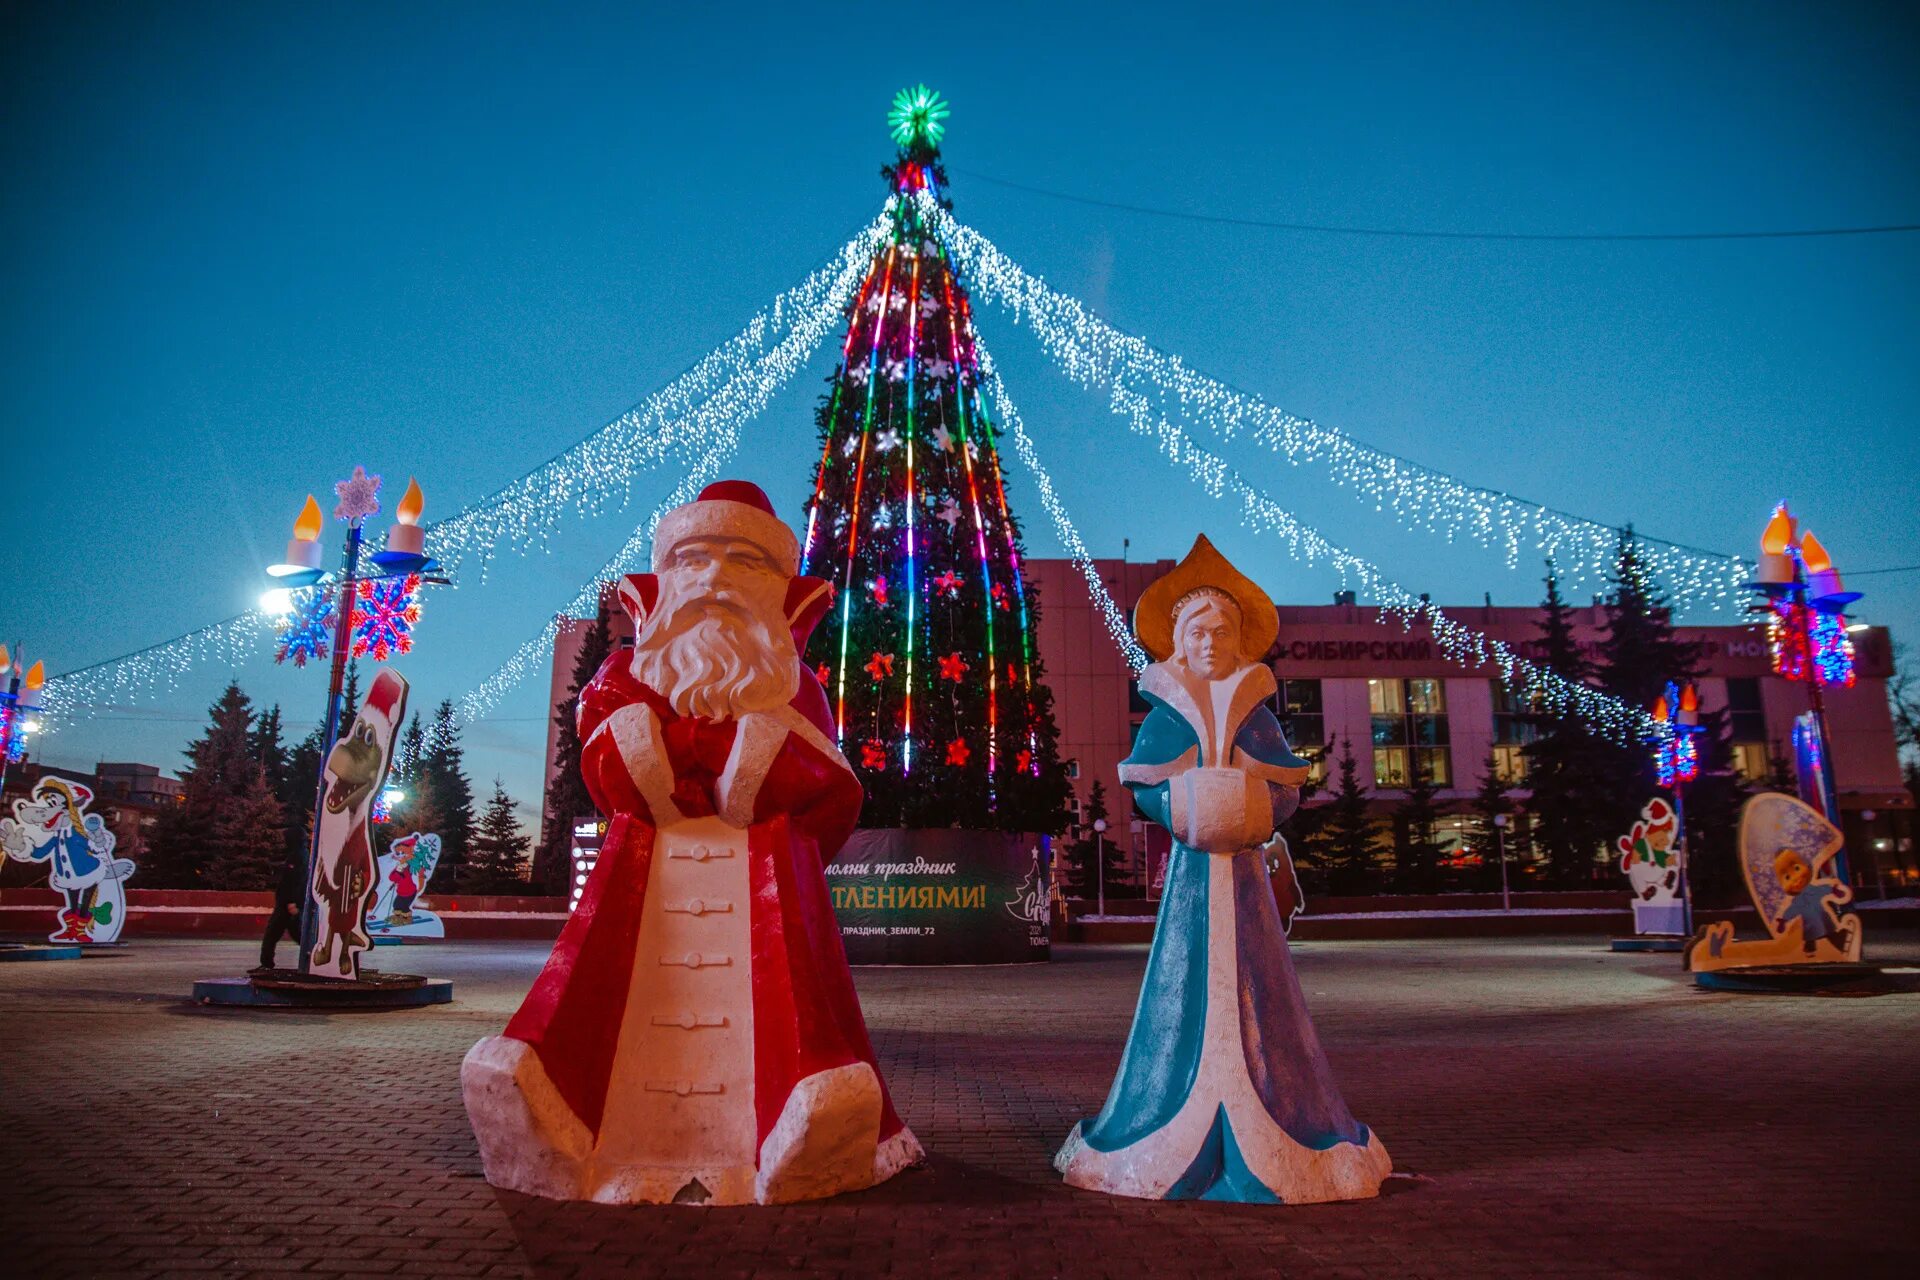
column 695, row 1037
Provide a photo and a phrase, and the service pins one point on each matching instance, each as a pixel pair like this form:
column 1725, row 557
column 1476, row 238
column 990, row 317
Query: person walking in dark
column 285, row 920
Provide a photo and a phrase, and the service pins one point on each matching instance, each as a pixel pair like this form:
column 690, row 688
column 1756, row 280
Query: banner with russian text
column 941, row 897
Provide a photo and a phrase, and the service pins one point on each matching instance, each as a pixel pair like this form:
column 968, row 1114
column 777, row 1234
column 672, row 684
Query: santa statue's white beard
column 719, row 665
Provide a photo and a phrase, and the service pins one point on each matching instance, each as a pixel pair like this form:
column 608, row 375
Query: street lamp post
column 1100, row 861
column 1807, row 630
column 19, row 706
column 403, row 557
column 1500, row 821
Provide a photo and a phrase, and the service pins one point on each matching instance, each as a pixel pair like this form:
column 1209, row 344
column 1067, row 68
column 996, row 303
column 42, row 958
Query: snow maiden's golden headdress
column 1204, row 572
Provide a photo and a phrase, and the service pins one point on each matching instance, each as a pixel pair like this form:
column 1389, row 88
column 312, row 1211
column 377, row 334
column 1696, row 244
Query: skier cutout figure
column 1807, row 900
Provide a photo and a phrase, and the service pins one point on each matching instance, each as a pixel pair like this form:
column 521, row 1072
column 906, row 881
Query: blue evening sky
column 247, row 246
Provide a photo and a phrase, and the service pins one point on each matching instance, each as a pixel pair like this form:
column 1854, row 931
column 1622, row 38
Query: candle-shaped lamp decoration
column 6, row 660
column 1689, row 707
column 1776, row 565
column 1823, row 580
column 36, row 676
column 303, row 550
column 1660, row 710
column 406, row 536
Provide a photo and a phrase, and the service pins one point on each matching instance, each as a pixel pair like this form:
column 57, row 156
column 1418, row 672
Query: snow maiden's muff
column 1223, row 1092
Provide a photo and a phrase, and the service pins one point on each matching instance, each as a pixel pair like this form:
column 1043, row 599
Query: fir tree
column 269, row 749
column 442, row 769
column 1416, row 849
column 1351, row 833
column 228, row 830
column 1083, row 853
column 939, row 699
column 1639, row 656
column 1494, row 799
column 247, row 840
column 498, row 860
column 300, row 791
column 1566, row 763
column 567, row 800
column 1305, row 829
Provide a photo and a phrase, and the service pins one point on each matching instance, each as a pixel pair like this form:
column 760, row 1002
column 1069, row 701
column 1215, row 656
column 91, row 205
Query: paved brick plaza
column 1563, row 1110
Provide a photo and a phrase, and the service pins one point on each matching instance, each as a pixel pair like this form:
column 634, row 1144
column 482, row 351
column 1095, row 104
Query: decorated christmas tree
column 928, row 655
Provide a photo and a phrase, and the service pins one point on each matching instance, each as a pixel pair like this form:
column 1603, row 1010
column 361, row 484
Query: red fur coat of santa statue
column 695, row 1036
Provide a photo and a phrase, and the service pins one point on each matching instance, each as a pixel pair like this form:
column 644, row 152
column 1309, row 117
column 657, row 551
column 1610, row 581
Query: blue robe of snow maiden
column 1223, row 1092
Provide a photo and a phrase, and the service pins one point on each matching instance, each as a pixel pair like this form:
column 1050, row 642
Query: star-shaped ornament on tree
column 949, row 582
column 918, row 115
column 873, row 754
column 953, row 667
column 359, row 497
column 887, row 440
column 957, row 751
column 938, row 370
column 949, row 511
column 896, row 370
column 880, row 666
column 878, row 588
column 943, row 438
column 859, row 374
column 824, row 672
column 1000, row 595
column 1023, row 761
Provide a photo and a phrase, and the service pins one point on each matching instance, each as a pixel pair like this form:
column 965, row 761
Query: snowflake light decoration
column 14, row 742
column 359, row 497
column 918, row 115
column 384, row 616
column 306, row 632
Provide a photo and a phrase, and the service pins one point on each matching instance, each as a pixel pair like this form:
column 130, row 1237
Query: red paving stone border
column 1566, row 1111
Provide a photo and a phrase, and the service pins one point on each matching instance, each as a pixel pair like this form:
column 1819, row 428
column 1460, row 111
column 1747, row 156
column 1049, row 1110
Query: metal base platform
column 38, row 951
column 1649, row 942
column 291, row 989
column 1786, row 979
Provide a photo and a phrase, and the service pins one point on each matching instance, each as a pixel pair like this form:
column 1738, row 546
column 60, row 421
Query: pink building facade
column 1348, row 676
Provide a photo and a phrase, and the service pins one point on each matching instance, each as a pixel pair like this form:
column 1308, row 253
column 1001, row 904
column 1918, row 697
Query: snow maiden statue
column 1223, row 1092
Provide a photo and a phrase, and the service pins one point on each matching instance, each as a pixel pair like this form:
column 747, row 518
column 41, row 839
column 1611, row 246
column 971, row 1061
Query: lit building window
column 1303, row 719
column 1514, row 726
column 1747, row 729
column 1409, row 730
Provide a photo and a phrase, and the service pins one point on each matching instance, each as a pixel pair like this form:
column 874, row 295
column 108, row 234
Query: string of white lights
column 701, row 409
column 1008, row 416
column 155, row 669
column 537, row 650
column 718, row 423
column 1094, row 353
column 587, row 477
column 1218, row 479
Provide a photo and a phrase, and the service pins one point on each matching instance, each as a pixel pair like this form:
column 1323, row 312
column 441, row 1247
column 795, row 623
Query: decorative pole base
column 291, row 989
